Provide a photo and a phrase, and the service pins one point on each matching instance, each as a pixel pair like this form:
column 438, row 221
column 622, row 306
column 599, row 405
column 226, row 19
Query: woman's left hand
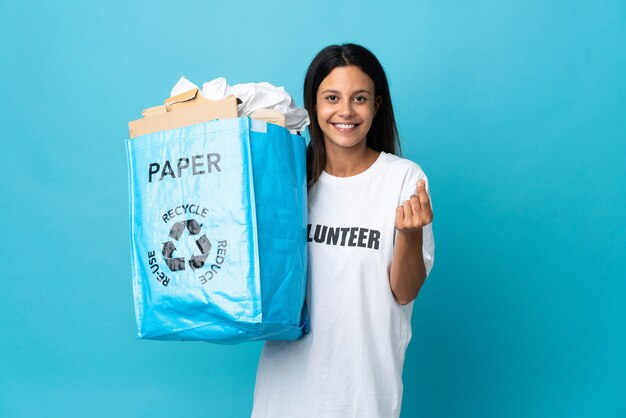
column 415, row 212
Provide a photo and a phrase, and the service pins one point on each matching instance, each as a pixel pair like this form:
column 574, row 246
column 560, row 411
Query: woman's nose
column 346, row 110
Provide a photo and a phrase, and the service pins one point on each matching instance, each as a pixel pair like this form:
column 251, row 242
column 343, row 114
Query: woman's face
column 346, row 106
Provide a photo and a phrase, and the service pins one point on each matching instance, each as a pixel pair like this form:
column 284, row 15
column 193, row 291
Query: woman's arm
column 408, row 271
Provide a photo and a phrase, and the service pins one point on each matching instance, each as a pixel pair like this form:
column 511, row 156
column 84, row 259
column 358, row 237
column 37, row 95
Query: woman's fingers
column 399, row 216
column 408, row 211
column 425, row 208
column 416, row 211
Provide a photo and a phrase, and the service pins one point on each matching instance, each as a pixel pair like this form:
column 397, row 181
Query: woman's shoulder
column 402, row 165
column 405, row 173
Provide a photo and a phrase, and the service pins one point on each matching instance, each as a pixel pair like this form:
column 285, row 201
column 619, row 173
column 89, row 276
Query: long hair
column 383, row 134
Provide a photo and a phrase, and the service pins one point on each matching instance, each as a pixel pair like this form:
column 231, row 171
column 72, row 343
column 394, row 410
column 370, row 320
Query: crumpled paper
column 253, row 96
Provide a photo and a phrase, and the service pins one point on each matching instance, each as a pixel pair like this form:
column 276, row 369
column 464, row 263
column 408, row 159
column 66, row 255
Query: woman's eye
column 331, row 98
column 360, row 99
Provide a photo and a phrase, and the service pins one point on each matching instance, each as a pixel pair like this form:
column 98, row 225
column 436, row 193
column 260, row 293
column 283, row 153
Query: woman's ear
column 377, row 102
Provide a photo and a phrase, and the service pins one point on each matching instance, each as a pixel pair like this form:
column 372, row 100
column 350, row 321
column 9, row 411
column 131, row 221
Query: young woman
column 370, row 249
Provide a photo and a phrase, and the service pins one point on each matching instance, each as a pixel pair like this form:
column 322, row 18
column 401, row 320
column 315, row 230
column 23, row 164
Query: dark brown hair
column 383, row 134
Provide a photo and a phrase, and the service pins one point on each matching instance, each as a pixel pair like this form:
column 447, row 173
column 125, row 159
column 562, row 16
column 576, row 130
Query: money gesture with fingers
column 415, row 212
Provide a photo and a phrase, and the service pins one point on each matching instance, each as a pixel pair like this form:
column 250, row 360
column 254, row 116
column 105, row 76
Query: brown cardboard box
column 269, row 116
column 185, row 109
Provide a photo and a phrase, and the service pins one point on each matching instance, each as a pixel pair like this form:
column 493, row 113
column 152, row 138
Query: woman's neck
column 344, row 162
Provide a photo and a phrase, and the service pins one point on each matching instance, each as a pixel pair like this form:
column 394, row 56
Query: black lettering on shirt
column 353, row 231
column 333, row 236
column 344, row 236
column 373, row 240
column 320, row 233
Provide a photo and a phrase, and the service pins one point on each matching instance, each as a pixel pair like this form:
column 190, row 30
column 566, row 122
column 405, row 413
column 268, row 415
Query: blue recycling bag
column 218, row 232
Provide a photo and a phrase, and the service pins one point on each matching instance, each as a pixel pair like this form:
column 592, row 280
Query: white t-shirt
column 350, row 365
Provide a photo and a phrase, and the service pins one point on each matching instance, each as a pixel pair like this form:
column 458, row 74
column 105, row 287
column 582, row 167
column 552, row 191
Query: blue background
column 515, row 110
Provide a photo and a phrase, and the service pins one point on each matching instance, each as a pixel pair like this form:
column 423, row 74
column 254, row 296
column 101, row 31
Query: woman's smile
column 344, row 127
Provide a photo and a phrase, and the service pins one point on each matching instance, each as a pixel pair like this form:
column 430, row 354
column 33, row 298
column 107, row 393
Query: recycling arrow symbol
column 203, row 244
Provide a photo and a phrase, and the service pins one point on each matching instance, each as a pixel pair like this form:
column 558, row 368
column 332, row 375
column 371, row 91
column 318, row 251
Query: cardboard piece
column 269, row 116
column 185, row 109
